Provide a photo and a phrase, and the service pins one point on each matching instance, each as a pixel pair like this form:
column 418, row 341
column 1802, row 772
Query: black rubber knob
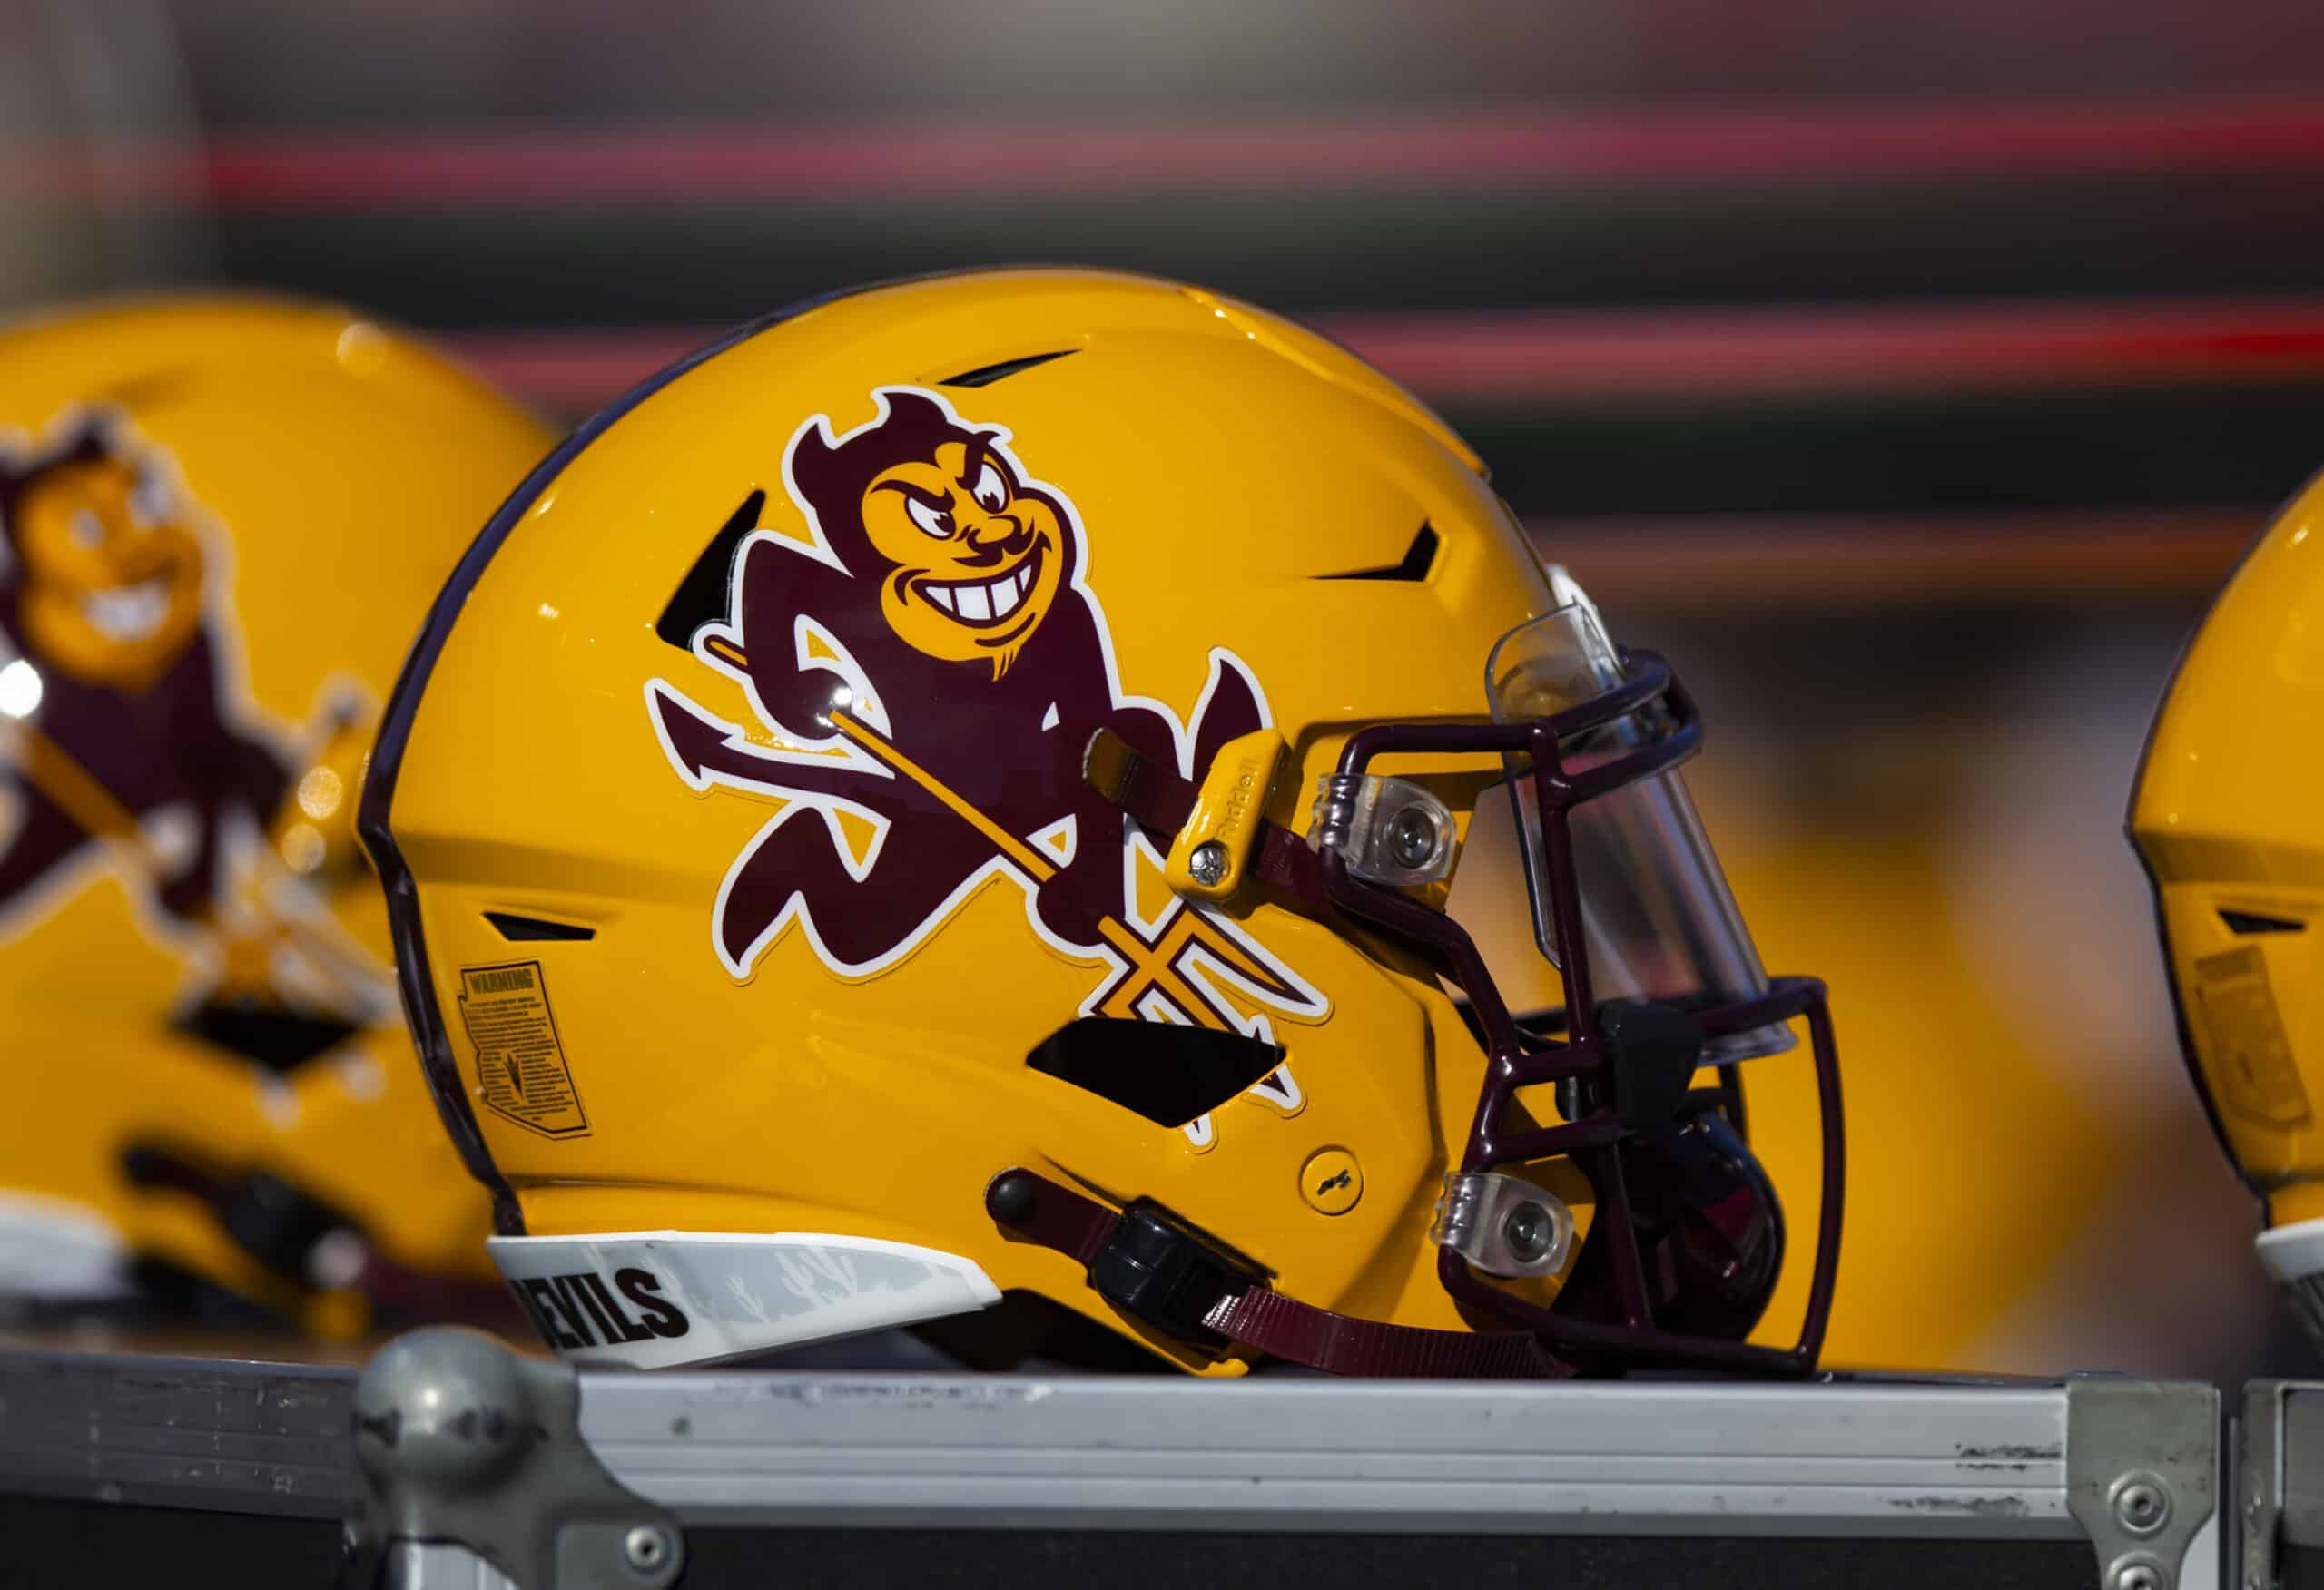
column 1010, row 1197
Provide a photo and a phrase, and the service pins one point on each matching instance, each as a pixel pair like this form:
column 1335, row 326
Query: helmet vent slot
column 701, row 596
column 985, row 375
column 2253, row 922
column 1169, row 1073
column 533, row 929
column 1419, row 558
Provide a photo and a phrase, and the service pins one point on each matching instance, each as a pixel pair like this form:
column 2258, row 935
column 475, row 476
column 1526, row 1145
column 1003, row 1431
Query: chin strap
column 1152, row 793
column 1164, row 1275
column 1341, row 1344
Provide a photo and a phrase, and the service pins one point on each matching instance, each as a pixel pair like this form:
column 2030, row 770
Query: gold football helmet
column 224, row 520
column 1061, row 794
column 2226, row 821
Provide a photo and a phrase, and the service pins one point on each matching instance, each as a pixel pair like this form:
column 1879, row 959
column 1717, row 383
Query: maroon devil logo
column 130, row 747
column 924, row 666
column 115, row 707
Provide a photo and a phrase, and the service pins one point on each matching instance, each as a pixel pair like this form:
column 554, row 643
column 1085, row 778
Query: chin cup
column 1708, row 1225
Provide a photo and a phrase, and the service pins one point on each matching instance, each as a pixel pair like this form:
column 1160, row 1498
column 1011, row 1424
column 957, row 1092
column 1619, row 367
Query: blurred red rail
column 843, row 163
column 1513, row 357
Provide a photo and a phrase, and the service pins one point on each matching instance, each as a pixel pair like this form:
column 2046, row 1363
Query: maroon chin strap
column 1250, row 1313
column 1160, row 802
column 1342, row 1344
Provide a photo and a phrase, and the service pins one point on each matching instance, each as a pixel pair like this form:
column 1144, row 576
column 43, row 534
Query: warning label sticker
column 519, row 1062
column 2250, row 1057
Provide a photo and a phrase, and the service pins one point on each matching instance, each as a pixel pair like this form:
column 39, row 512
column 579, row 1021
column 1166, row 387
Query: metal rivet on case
column 2142, row 1504
column 647, row 1547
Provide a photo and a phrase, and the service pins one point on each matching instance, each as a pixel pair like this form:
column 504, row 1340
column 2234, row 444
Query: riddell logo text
column 580, row 1310
column 1238, row 800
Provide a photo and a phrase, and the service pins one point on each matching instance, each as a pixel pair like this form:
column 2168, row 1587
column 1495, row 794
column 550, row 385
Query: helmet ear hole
column 1169, row 1073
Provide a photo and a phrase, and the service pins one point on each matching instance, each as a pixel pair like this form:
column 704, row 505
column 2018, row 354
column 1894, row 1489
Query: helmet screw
column 2141, row 1505
column 1412, row 837
column 2136, row 1573
column 647, row 1547
column 1529, row 1231
column 1208, row 863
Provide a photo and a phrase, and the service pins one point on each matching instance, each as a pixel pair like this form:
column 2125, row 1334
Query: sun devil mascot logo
column 928, row 664
column 114, row 709
column 128, row 746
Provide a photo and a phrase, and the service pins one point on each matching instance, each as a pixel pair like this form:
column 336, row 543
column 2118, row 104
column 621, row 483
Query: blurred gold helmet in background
column 2228, row 816
column 224, row 520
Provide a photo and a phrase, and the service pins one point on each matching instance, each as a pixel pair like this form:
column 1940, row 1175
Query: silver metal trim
column 440, row 1565
column 1299, row 1455
column 2260, row 1483
column 458, row 1440
column 2142, row 1465
column 1855, row 1458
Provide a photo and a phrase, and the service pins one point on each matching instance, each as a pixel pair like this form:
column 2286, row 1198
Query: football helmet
column 223, row 521
column 2224, row 819
column 1062, row 792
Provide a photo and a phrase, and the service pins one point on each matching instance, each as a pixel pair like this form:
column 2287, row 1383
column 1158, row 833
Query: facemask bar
column 1516, row 1059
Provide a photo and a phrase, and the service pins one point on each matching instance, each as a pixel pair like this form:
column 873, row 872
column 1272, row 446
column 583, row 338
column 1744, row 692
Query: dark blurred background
column 1911, row 373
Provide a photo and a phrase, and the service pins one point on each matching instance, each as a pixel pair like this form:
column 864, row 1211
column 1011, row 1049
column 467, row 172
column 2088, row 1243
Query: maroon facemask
column 1688, row 1238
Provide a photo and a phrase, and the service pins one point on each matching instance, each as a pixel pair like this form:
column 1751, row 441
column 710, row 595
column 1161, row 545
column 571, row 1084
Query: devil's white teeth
column 987, row 603
column 127, row 613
